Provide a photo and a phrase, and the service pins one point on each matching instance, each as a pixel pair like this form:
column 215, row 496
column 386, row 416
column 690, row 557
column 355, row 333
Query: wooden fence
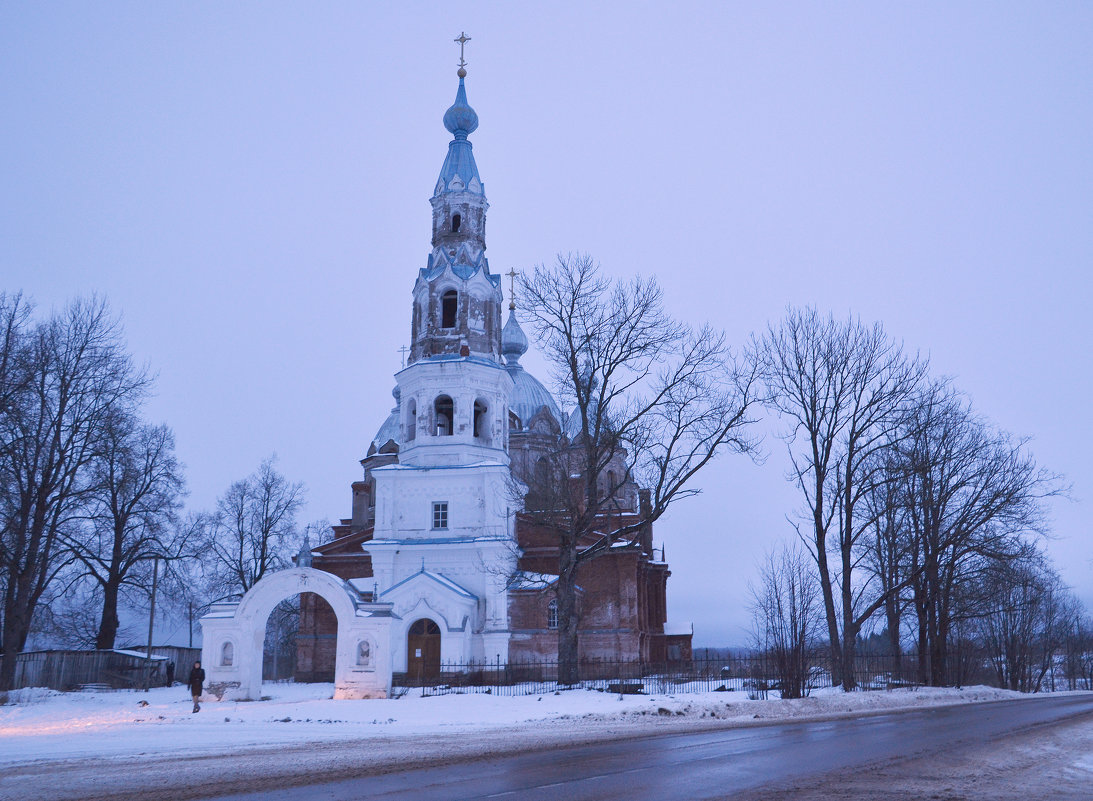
column 117, row 669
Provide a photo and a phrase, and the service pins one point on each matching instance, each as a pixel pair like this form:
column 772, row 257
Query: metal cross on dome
column 512, row 287
column 463, row 39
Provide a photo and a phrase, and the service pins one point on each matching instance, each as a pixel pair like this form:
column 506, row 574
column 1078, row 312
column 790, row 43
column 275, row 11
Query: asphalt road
column 708, row 765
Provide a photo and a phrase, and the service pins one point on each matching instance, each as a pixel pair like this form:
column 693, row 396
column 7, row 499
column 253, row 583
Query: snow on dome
column 389, row 431
column 528, row 394
column 514, row 342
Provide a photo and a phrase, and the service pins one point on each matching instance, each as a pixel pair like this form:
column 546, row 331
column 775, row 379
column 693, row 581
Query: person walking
column 197, row 679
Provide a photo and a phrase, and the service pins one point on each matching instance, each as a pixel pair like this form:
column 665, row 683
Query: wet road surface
column 707, row 765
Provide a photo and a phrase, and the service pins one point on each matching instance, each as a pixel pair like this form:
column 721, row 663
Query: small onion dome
column 514, row 343
column 461, row 119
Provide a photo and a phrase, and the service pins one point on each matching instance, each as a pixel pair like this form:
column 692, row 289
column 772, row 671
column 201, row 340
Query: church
column 438, row 527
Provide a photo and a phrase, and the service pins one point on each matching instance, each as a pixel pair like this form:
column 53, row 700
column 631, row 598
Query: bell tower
column 454, row 389
column 457, row 302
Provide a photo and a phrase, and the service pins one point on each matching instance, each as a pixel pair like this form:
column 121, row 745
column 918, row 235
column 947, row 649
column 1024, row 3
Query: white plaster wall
column 479, row 502
column 244, row 625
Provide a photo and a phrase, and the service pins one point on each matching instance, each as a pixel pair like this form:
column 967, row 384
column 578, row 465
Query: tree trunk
column 849, row 657
column 891, row 615
column 15, row 634
column 568, row 669
column 829, row 607
column 108, row 623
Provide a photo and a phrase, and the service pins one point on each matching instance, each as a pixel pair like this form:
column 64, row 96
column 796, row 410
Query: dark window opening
column 456, row 220
column 444, row 410
column 411, row 420
column 449, row 302
column 480, row 421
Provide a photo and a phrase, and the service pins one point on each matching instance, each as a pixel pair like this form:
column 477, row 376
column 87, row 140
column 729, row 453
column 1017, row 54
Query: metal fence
column 754, row 675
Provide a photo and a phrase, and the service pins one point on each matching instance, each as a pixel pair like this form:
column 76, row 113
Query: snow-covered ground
column 40, row 724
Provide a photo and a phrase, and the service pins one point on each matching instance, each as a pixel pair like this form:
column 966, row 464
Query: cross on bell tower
column 462, row 40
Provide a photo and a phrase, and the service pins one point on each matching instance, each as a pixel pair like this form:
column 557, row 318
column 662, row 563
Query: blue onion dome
column 461, row 119
column 514, row 343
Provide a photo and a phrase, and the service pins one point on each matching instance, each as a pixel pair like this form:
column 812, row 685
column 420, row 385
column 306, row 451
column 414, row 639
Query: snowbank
column 42, row 724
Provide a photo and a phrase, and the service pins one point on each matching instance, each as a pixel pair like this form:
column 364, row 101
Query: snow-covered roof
column 527, row 580
column 679, row 629
column 442, row 580
column 367, row 544
column 137, row 654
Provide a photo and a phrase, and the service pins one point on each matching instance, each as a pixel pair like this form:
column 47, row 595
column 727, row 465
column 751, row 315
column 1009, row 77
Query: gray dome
column 529, row 396
column 389, row 431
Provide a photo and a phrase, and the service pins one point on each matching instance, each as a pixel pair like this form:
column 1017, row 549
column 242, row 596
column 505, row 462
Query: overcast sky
column 248, row 184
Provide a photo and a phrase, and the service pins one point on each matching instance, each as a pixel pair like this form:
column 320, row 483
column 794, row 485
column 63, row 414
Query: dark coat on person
column 197, row 679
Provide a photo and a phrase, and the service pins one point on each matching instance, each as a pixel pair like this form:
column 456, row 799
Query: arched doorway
column 423, row 649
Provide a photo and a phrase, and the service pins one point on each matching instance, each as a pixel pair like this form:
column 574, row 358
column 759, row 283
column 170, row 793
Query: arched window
column 552, row 614
column 609, row 485
column 449, row 302
column 481, row 419
column 456, row 220
column 444, row 412
column 411, row 420
column 542, row 474
column 227, row 654
column 514, row 421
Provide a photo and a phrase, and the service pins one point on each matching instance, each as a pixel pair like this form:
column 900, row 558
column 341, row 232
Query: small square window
column 440, row 514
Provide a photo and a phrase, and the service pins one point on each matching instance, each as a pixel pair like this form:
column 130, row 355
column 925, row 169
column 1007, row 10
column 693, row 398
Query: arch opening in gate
column 234, row 635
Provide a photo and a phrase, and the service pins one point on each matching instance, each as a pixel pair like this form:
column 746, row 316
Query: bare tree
column 889, row 547
column 1024, row 624
column 131, row 519
column 843, row 388
column 66, row 378
column 253, row 530
column 653, row 401
column 973, row 495
column 788, row 616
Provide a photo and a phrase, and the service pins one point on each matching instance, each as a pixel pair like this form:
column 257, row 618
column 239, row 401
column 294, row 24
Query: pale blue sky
column 248, row 184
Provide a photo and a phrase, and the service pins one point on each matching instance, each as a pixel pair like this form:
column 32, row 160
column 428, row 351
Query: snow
column 40, row 724
column 675, row 629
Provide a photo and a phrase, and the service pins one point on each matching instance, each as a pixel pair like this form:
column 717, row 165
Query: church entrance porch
column 423, row 649
column 233, row 635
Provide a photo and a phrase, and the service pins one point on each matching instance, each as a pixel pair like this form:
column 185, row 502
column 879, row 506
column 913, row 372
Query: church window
column 227, row 654
column 456, row 220
column 552, row 614
column 481, row 419
column 444, row 409
column 449, row 302
column 514, row 421
column 411, row 420
column 609, row 487
column 440, row 514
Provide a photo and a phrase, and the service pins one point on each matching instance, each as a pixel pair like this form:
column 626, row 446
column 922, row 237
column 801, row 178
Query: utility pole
column 151, row 624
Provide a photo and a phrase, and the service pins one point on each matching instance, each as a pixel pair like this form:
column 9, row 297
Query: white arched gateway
column 233, row 634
